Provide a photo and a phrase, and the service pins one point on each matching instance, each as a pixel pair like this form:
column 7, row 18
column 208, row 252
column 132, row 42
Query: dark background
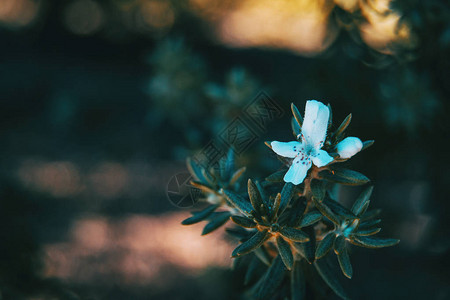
column 102, row 101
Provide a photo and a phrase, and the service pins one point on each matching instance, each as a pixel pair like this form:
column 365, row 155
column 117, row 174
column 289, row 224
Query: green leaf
column 318, row 189
column 285, row 251
column 218, row 220
column 338, row 209
column 277, row 176
column 297, row 115
column 325, row 245
column 238, row 202
column 370, row 214
column 339, row 244
column 338, row 133
column 298, row 206
column 275, row 207
column 367, row 232
column 238, row 232
column 308, row 249
column 243, row 221
column 367, row 144
column 373, row 242
column 251, row 244
column 200, row 215
column 326, row 211
column 345, row 264
column 369, row 224
column 295, row 235
column 298, row 284
column 253, row 270
column 344, row 176
column 273, row 278
column 209, row 176
column 286, row 195
column 296, row 130
column 205, row 189
column 361, row 201
column 255, row 198
column 228, row 165
column 195, row 170
column 263, row 255
column 237, row 175
column 330, row 277
column 310, row 218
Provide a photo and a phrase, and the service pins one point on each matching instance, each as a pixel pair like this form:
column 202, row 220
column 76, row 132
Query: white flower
column 349, row 147
column 308, row 151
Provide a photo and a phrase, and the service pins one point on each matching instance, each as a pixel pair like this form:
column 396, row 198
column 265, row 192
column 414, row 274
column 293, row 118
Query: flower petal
column 289, row 149
column 322, row 158
column 298, row 170
column 349, row 147
column 315, row 123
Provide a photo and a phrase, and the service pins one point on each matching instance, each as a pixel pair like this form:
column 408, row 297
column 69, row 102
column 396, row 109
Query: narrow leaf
column 237, row 175
column 370, row 214
column 195, row 170
column 338, row 133
column 339, row 244
column 255, row 198
column 239, row 202
column 367, row 232
column 253, row 270
column 345, row 264
column 367, row 144
column 298, row 284
column 218, row 220
column 318, row 189
column 310, row 218
column 298, row 206
column 296, row 130
column 277, row 176
column 295, row 235
column 271, row 280
column 297, row 115
column 339, row 209
column 361, row 201
column 373, row 242
column 201, row 215
column 369, row 224
column 344, row 176
column 308, row 249
column 285, row 252
column 205, row 189
column 325, row 245
column 243, row 221
column 275, row 206
column 330, row 277
column 326, row 211
column 251, row 244
column 286, row 195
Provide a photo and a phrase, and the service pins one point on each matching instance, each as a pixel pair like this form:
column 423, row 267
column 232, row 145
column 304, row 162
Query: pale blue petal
column 321, row 158
column 297, row 172
column 349, row 147
column 289, row 149
column 315, row 123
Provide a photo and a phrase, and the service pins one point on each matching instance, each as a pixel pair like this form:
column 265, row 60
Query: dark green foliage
column 294, row 235
column 330, row 276
column 277, row 222
column 243, row 221
column 270, row 282
column 344, row 176
column 374, row 242
column 298, row 284
column 310, row 218
column 216, row 220
column 251, row 244
column 200, row 216
column 239, row 202
column 325, row 245
column 362, row 201
column 285, row 252
column 344, row 262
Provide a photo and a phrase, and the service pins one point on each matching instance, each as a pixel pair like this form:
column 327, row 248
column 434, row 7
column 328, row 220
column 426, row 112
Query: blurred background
column 102, row 101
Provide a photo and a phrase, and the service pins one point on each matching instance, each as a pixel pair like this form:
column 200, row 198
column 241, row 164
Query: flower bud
column 349, row 147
